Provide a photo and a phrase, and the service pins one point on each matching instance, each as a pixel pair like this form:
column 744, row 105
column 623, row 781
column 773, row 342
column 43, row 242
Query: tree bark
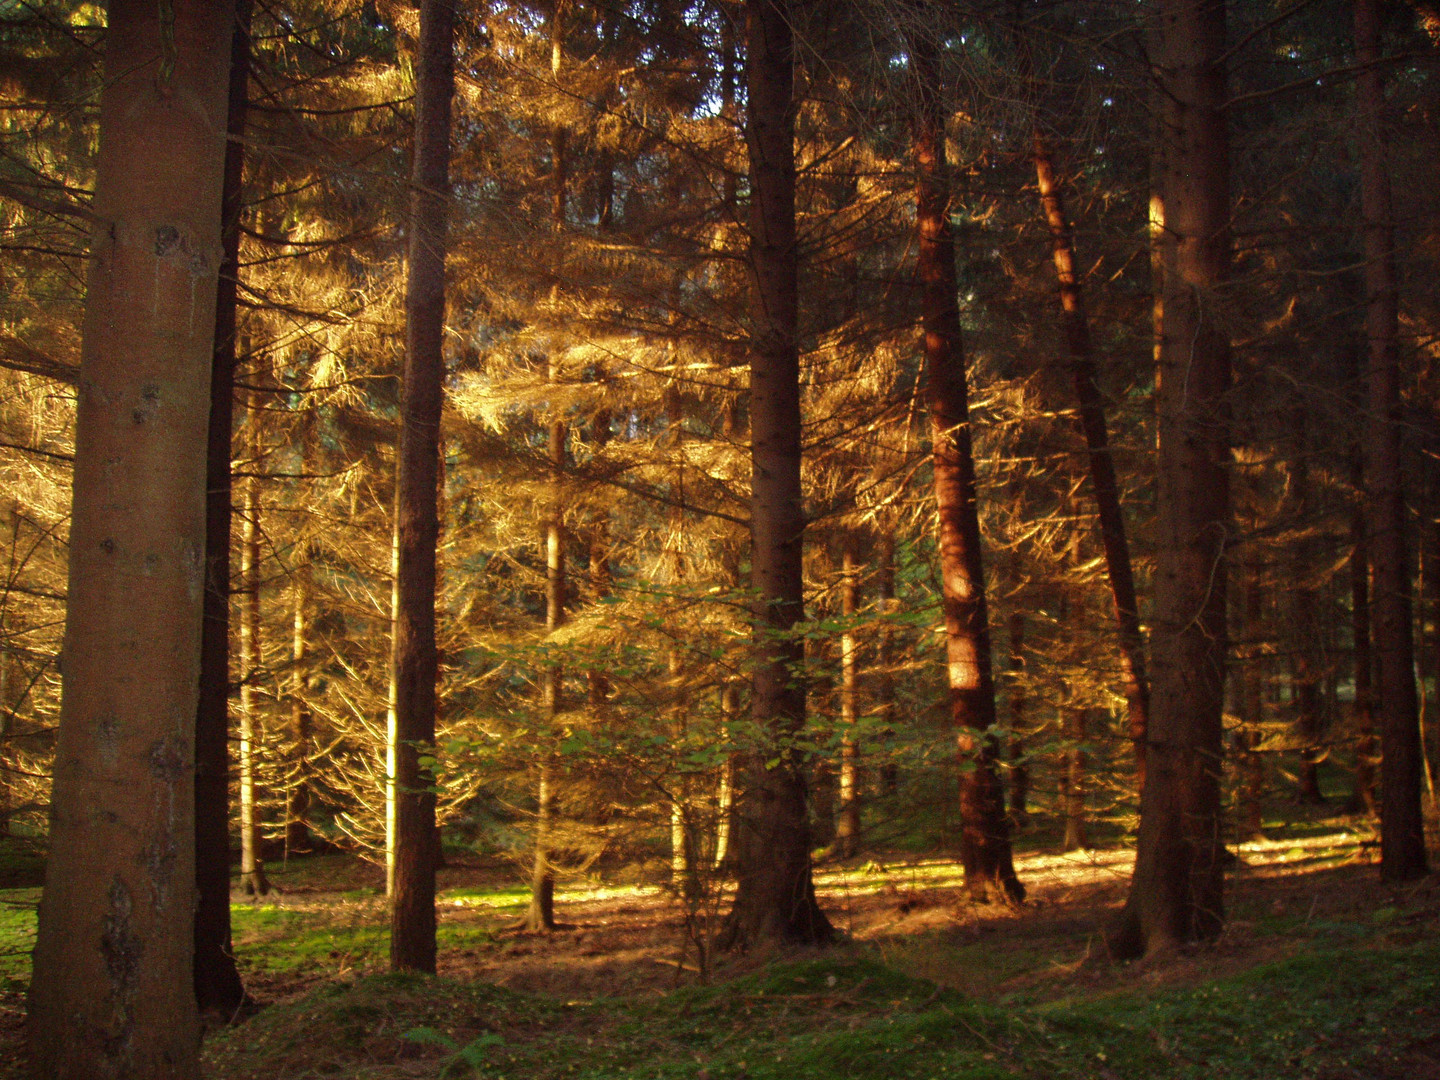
column 112, row 993
column 847, row 828
column 297, row 795
column 1176, row 894
column 414, row 657
column 1072, row 784
column 252, row 866
column 218, row 988
column 1362, row 791
column 1081, row 348
column 775, row 893
column 985, row 829
column 1250, row 817
column 1402, row 830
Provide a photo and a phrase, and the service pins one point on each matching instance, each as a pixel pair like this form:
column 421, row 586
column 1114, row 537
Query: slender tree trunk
column 602, row 578
column 1019, row 763
column 1081, row 348
column 1176, row 895
column 1362, row 792
column 885, row 653
column 218, row 988
column 252, row 866
column 1402, row 831
column 985, row 831
column 1251, row 816
column 847, row 831
column 112, row 993
column 1072, row 792
column 414, row 657
column 775, row 893
column 297, row 798
column 541, row 914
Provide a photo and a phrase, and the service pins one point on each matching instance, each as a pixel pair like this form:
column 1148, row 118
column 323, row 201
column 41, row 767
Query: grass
column 1349, row 1012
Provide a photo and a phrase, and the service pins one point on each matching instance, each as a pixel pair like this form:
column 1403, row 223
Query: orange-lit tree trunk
column 1176, row 894
column 985, row 829
column 252, row 866
column 112, row 992
column 297, row 787
column 414, row 659
column 218, row 987
column 847, row 826
column 1081, row 348
column 775, row 892
column 1402, row 832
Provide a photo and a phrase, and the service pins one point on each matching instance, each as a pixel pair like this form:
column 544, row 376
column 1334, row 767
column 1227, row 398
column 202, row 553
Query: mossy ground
column 1321, row 973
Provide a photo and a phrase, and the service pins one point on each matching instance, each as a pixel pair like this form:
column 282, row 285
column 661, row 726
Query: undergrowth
column 1345, row 1012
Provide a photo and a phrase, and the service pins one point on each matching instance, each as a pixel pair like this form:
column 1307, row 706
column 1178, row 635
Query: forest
column 719, row 538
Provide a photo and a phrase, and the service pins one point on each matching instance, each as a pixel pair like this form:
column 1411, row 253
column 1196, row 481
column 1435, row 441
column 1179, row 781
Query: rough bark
column 414, row 657
column 1080, row 345
column 112, row 993
column 775, row 893
column 218, row 987
column 1402, row 832
column 1176, row 893
column 985, row 829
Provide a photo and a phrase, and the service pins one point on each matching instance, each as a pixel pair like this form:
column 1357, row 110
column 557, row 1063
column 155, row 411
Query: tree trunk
column 1362, row 792
column 1177, row 889
column 1072, row 787
column 1251, row 817
column 847, row 829
column 1102, row 465
column 775, row 893
column 297, row 796
column 218, row 988
column 112, row 992
column 541, row 914
column 985, row 829
column 414, row 657
column 252, row 866
column 885, row 652
column 1019, row 763
column 1402, row 831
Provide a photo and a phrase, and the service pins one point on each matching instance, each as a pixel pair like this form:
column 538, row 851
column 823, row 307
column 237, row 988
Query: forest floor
column 1321, row 972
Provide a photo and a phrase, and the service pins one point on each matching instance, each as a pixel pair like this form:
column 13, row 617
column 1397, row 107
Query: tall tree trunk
column 684, row 868
column 1251, row 816
column 297, row 795
column 887, row 606
column 847, row 830
column 1019, row 763
column 1402, row 830
column 1362, row 791
column 218, row 988
column 775, row 893
column 1176, row 894
column 1072, row 783
column 985, row 829
column 541, row 914
column 112, row 992
column 1081, row 347
column 252, row 866
column 414, row 658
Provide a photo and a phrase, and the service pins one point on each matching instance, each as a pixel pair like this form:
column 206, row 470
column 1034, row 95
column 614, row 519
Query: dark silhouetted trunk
column 218, row 988
column 1072, row 782
column 1249, row 819
column 1081, row 347
column 985, row 829
column 414, row 657
column 1402, row 832
column 1176, row 894
column 1362, row 791
column 113, row 992
column 775, row 893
